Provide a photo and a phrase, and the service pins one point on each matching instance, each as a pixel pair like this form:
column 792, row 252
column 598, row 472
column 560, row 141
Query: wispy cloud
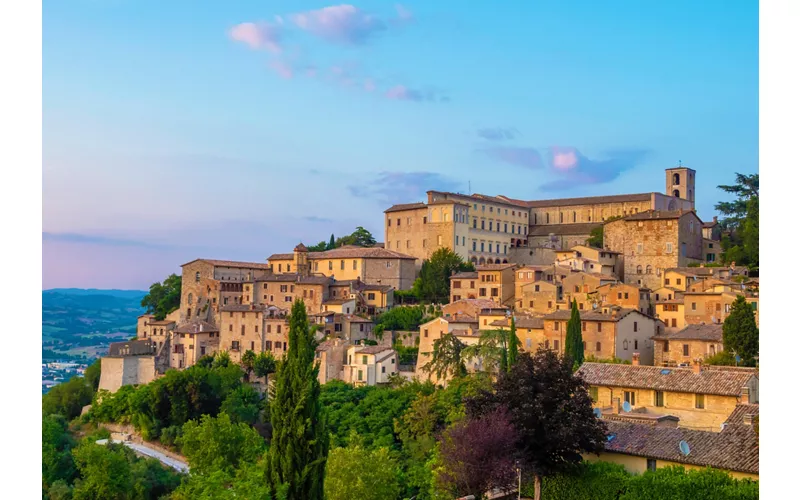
column 519, row 156
column 261, row 35
column 574, row 169
column 282, row 69
column 403, row 187
column 403, row 93
column 93, row 239
column 344, row 24
column 497, row 133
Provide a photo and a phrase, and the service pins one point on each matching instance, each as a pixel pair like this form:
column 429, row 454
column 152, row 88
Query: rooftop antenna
column 469, row 187
column 680, row 163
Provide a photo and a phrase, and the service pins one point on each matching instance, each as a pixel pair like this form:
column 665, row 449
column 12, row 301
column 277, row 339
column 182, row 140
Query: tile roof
column 493, row 267
column 380, row 288
column 295, row 278
column 405, row 206
column 589, row 200
column 465, row 275
column 485, row 198
column 232, row 263
column 717, row 382
column 281, row 256
column 734, row 449
column 336, row 302
column 301, row 248
column 522, row 322
column 243, row 308
column 563, row 229
column 196, row 326
column 131, row 348
column 475, row 303
column 737, row 415
column 354, row 252
column 566, row 314
column 164, row 322
column 711, row 332
column 374, row 349
column 355, row 319
column 658, row 215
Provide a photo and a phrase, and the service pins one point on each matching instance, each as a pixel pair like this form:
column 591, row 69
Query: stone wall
column 532, row 255
column 398, row 273
column 131, row 370
column 542, row 216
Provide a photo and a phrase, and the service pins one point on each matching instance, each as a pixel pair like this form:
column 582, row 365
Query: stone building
column 591, row 260
column 281, row 290
column 496, row 283
column 582, row 287
column 693, row 342
column 192, row 340
column 530, row 331
column 701, row 398
column 128, row 363
column 608, row 333
column 242, row 329
column 331, row 357
column 672, row 313
column 539, row 297
column 625, row 296
column 463, row 285
column 370, row 265
column 369, row 365
column 654, row 241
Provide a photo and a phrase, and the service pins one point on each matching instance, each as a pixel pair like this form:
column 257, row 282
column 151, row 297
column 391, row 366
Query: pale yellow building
column 369, row 365
column 191, row 341
column 701, row 398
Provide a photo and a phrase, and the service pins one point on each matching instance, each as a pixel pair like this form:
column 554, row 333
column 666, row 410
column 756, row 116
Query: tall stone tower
column 680, row 183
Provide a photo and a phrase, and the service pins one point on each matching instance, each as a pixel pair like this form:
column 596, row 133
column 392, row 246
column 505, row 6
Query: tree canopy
column 163, row 298
column 433, row 284
column 296, row 458
column 739, row 331
column 360, row 237
column 573, row 347
column 739, row 221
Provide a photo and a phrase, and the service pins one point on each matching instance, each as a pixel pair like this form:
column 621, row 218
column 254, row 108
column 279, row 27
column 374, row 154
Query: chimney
column 745, row 395
column 635, row 361
column 748, row 419
column 615, row 406
column 697, row 366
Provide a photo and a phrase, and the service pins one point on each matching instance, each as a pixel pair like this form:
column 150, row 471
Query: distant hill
column 95, row 291
column 83, row 322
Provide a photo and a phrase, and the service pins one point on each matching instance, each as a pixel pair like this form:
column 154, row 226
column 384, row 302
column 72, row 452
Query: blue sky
column 175, row 130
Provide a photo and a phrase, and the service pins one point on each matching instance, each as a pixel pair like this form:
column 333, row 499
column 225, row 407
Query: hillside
column 82, row 322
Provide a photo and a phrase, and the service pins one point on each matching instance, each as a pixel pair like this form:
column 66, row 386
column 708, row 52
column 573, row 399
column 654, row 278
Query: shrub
column 676, row 483
column 588, row 481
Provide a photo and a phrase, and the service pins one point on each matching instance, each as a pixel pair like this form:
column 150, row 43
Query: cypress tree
column 574, row 343
column 331, row 244
column 296, row 457
column 739, row 332
column 513, row 344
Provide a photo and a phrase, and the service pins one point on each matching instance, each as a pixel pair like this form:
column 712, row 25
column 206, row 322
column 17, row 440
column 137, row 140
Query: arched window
column 676, row 193
column 190, row 299
column 648, row 269
column 639, row 269
column 474, row 259
column 482, row 261
column 676, row 179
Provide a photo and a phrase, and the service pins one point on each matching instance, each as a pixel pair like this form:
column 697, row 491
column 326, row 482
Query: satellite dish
column 598, row 412
column 626, row 407
column 611, row 437
column 738, row 359
column 684, row 447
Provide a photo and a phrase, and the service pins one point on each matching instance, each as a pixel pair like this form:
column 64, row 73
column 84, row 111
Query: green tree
column 513, row 344
column 57, row 462
column 361, row 237
column 248, row 362
column 433, row 284
column 219, row 444
column 67, row 398
column 92, row 374
column 734, row 212
column 573, row 347
column 163, row 297
column 596, row 237
column 296, row 458
column 319, row 247
column 243, row 404
column 740, row 333
column 750, row 233
column 447, row 358
column 356, row 472
column 331, row 243
column 264, row 364
column 105, row 472
column 491, row 349
column 248, row 481
column 740, row 221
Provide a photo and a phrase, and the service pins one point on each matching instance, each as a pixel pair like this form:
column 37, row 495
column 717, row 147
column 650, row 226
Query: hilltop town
column 643, row 271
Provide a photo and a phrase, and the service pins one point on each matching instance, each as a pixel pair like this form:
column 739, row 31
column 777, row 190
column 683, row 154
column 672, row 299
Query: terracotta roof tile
column 589, row 200
column 354, row 252
column 232, row 263
column 493, row 267
column 404, row 206
column 196, row 326
column 734, row 449
column 131, row 348
column 717, row 382
column 659, row 215
column 281, row 256
column 737, row 415
column 711, row 332
column 465, row 275
column 374, row 349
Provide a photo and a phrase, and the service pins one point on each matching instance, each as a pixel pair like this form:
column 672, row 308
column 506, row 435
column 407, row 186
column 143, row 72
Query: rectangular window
column 360, row 375
column 555, row 345
column 363, row 360
column 630, row 397
column 355, row 262
column 700, row 401
column 666, row 346
column 659, row 398
column 685, row 349
column 593, row 393
column 674, row 323
column 597, row 347
column 651, row 464
column 694, row 306
column 341, row 263
column 599, row 327
column 426, row 333
column 528, row 343
column 669, row 250
column 635, row 326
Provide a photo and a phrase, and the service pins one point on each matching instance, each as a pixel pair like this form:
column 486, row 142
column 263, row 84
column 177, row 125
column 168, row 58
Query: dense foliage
column 573, row 347
column 447, row 358
column 596, row 235
column 219, row 444
column 360, row 237
column 358, row 472
column 299, row 446
column 67, row 399
column 551, row 410
column 740, row 221
column 163, row 298
column 740, row 333
column 403, row 318
column 433, row 284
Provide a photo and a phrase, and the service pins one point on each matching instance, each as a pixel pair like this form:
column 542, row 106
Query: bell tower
column 680, row 183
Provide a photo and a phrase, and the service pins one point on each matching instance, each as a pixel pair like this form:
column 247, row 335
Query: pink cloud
column 282, row 69
column 258, row 36
column 403, row 93
column 340, row 24
column 564, row 158
column 369, row 85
